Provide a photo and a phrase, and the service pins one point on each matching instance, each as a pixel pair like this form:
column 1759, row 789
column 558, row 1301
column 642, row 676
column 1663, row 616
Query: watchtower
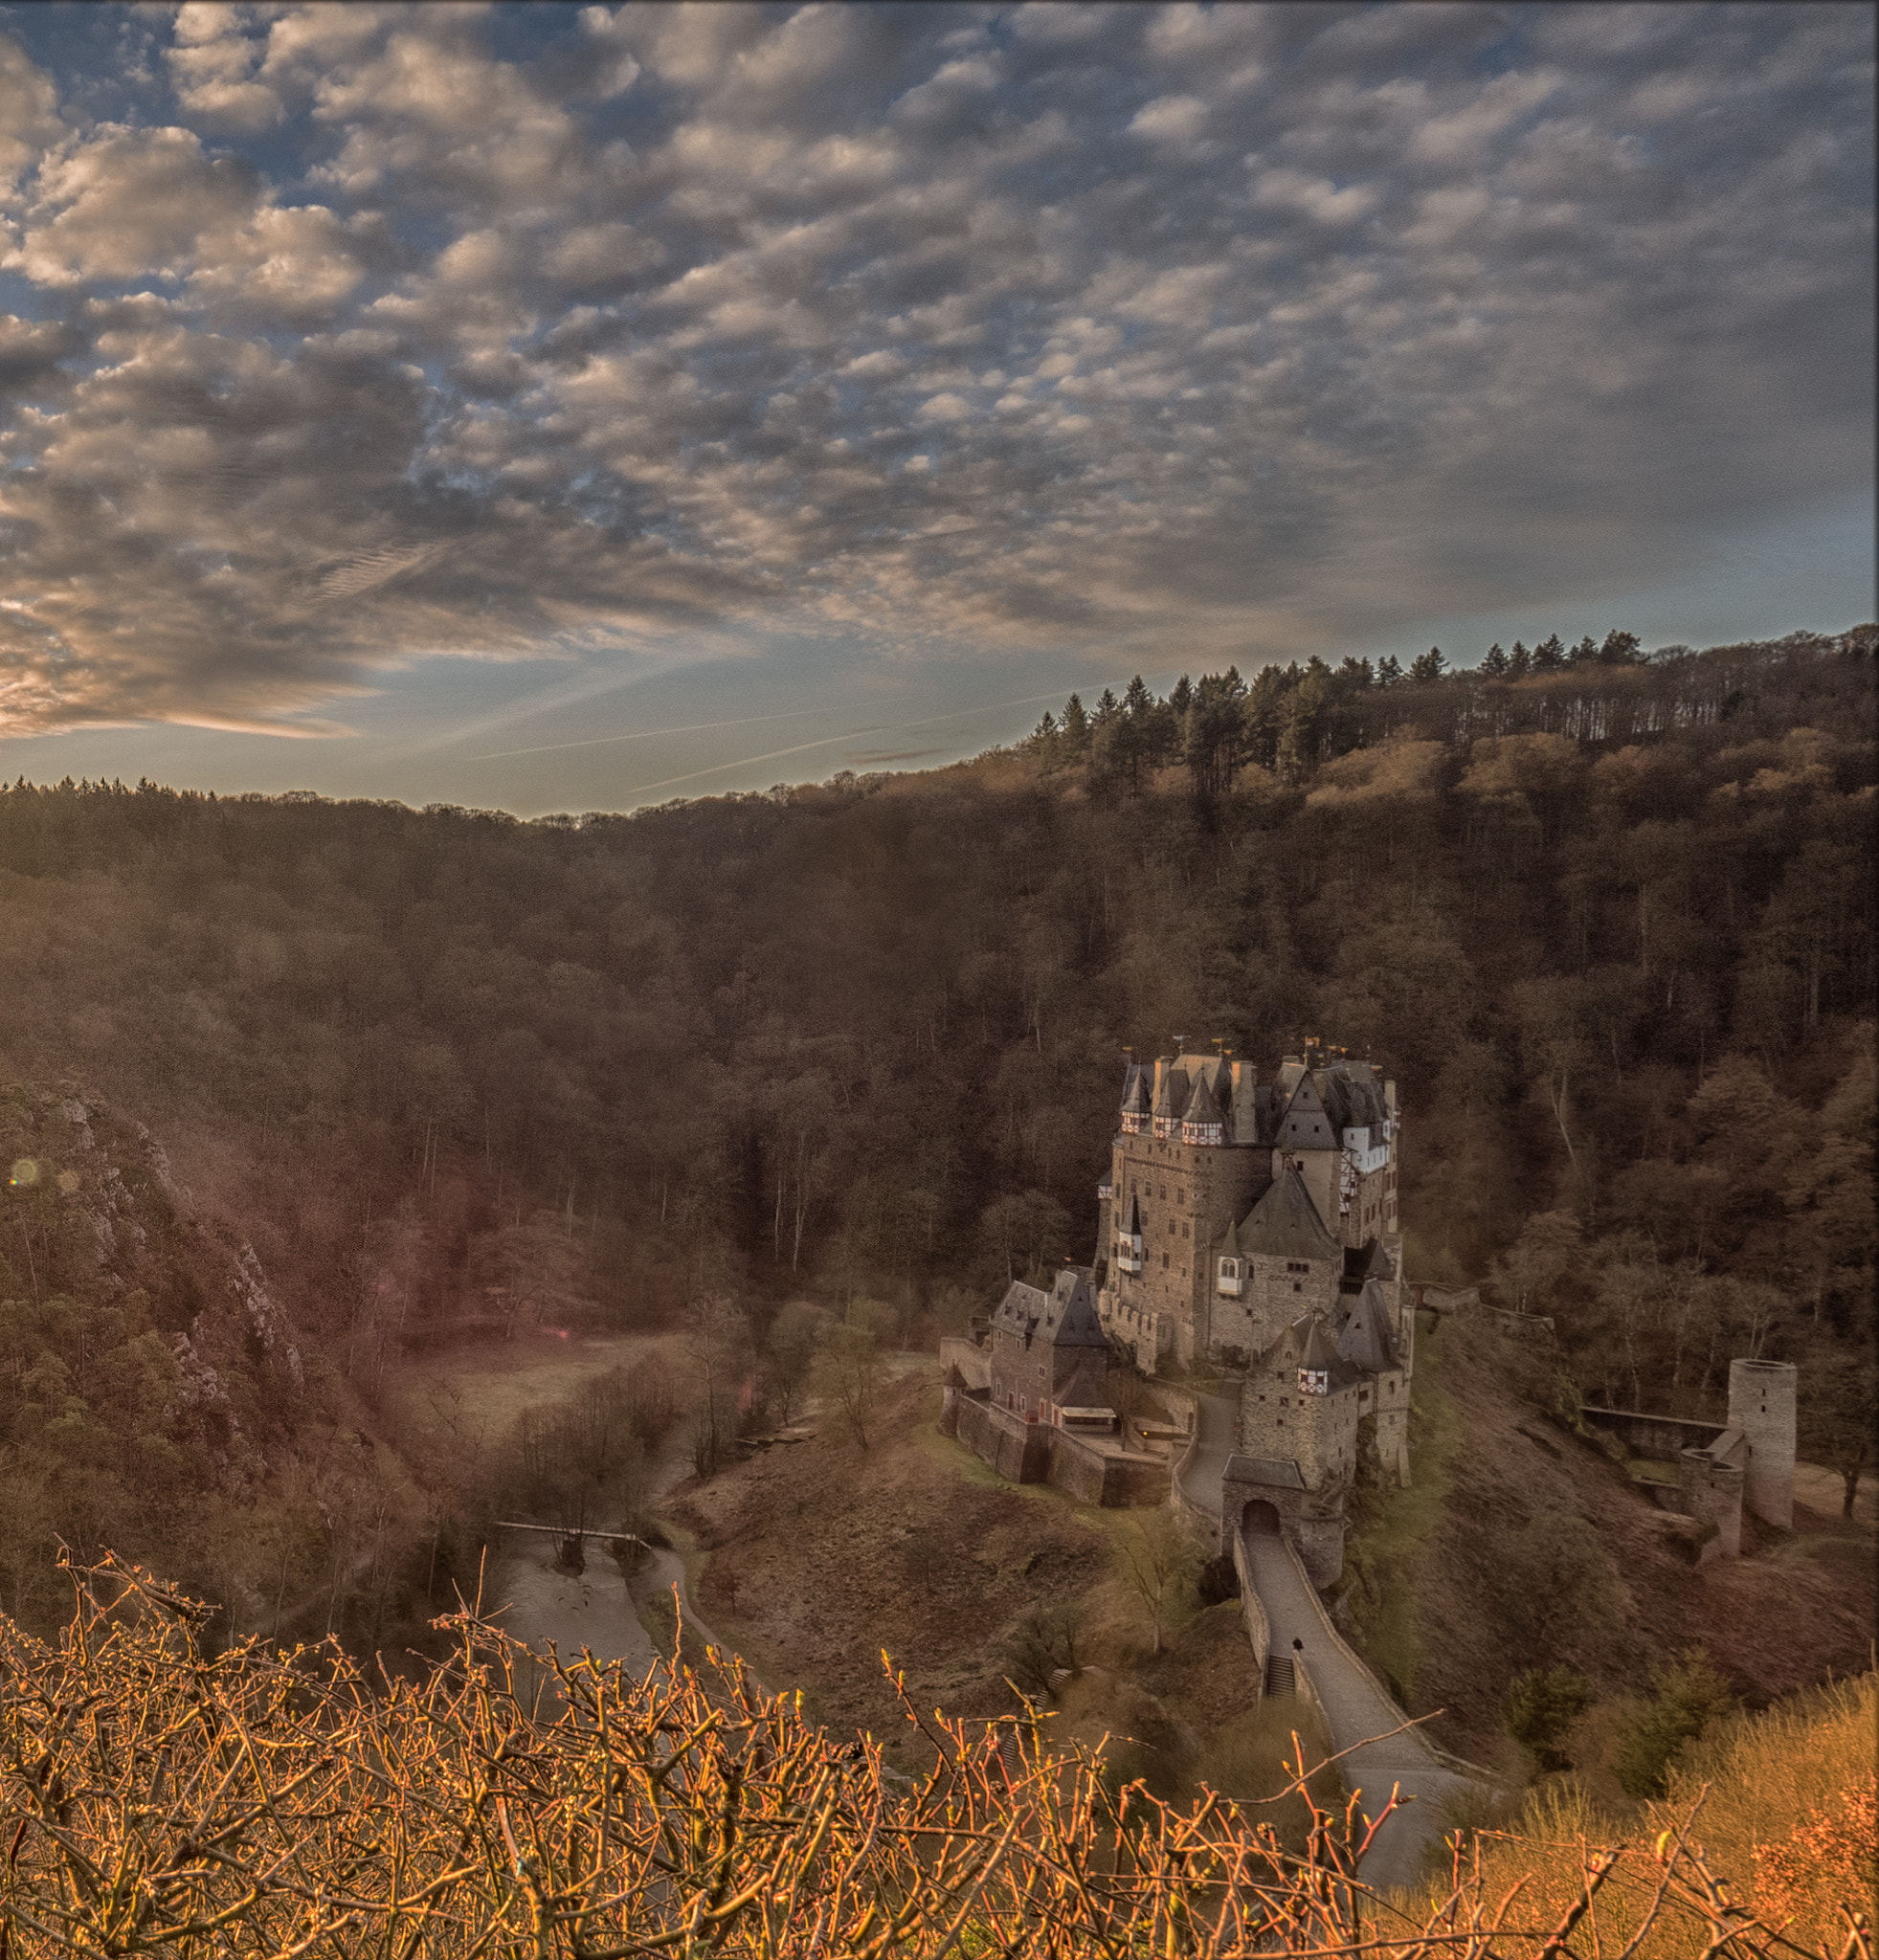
column 1761, row 1405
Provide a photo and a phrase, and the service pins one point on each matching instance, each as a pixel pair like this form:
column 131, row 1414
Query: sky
column 573, row 408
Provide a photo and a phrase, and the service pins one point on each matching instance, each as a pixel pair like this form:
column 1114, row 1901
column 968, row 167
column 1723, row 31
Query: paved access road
column 1355, row 1709
column 1206, row 1470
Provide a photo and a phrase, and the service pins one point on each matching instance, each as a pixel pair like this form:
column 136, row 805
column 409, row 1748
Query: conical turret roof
column 1201, row 1106
column 1173, row 1095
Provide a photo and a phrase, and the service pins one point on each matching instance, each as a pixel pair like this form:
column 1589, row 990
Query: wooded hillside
column 1607, row 922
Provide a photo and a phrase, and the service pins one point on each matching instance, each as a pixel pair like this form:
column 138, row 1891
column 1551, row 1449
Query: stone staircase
column 1281, row 1683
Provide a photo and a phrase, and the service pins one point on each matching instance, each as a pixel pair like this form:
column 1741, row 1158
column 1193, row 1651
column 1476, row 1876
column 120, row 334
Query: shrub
column 1687, row 1695
column 164, row 1801
column 1541, row 1706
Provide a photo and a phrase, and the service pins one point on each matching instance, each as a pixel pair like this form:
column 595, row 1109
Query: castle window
column 1296, row 1288
column 1298, row 1265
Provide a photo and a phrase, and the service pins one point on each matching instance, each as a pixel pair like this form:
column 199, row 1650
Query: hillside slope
column 1481, row 1570
column 154, row 1396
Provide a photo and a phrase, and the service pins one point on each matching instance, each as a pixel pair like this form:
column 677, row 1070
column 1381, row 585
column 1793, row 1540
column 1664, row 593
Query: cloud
column 359, row 335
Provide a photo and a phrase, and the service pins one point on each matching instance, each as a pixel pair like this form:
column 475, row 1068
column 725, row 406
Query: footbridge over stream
column 1288, row 1624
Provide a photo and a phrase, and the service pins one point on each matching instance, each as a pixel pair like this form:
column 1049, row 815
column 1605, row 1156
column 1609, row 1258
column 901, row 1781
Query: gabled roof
column 1064, row 1317
column 1306, row 1123
column 1353, row 1093
column 1285, row 1224
column 1366, row 1341
column 1022, row 1311
column 1070, row 1320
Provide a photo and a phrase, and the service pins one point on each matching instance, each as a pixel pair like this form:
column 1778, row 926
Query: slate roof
column 1349, row 1094
column 1136, row 1091
column 1365, row 1341
column 1307, row 1343
column 1366, row 1261
column 1284, row 1225
column 1306, row 1123
column 1172, row 1097
column 1201, row 1106
column 1066, row 1315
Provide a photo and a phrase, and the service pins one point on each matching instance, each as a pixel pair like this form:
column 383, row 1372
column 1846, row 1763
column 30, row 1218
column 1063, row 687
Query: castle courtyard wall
column 1043, row 1452
column 1019, row 1452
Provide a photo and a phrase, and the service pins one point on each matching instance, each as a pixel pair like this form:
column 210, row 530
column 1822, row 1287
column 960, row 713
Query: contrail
column 987, row 707
column 716, row 768
column 742, row 721
column 645, row 734
column 828, row 741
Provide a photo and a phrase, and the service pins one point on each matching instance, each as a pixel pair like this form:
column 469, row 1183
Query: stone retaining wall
column 1042, row 1452
column 1258, row 1629
column 1665, row 1438
column 1017, row 1451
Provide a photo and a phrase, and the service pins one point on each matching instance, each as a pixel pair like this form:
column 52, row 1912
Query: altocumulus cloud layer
column 335, row 337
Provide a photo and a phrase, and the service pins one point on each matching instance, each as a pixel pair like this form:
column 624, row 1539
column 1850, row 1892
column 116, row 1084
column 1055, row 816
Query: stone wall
column 1258, row 1629
column 1711, row 1493
column 1189, row 1194
column 1104, row 1477
column 1042, row 1452
column 1665, row 1438
column 1019, row 1452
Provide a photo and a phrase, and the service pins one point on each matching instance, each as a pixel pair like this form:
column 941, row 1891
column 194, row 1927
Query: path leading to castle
column 1206, row 1468
column 1355, row 1709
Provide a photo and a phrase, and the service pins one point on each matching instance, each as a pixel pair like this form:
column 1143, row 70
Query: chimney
column 1244, row 1077
column 1162, row 1064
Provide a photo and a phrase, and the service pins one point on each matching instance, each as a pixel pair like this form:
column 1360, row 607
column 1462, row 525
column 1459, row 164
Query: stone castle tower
column 1761, row 1406
column 1231, row 1204
column 1253, row 1227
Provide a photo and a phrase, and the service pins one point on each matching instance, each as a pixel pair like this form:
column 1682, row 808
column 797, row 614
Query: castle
column 1249, row 1230
column 1253, row 1227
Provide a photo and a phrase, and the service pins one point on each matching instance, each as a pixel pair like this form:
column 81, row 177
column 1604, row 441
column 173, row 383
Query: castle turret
column 1201, row 1121
column 1761, row 1405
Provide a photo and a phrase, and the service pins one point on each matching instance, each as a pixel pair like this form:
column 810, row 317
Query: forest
column 432, row 1077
